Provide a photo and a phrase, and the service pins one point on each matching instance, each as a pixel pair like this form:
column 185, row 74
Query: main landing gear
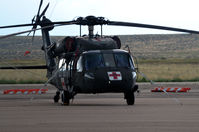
column 129, row 95
column 65, row 97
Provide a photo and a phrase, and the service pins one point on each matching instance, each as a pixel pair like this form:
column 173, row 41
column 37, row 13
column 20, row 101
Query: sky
column 172, row 13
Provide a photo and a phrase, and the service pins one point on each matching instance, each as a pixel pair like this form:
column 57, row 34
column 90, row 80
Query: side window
column 62, row 65
column 109, row 60
column 70, row 65
column 131, row 62
column 79, row 64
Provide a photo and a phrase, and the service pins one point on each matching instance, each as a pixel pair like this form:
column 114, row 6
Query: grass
column 160, row 70
column 165, row 72
column 17, row 62
column 21, row 82
column 22, row 76
column 170, row 61
column 32, row 76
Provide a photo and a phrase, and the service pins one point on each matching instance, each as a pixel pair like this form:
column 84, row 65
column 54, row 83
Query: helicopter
column 88, row 64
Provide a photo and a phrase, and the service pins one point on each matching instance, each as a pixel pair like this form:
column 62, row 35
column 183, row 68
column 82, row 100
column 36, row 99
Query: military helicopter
column 87, row 64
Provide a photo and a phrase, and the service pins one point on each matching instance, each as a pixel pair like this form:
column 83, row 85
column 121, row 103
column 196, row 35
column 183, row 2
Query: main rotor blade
column 115, row 23
column 19, row 25
column 25, row 67
column 41, row 2
column 44, row 11
column 24, row 25
column 27, row 31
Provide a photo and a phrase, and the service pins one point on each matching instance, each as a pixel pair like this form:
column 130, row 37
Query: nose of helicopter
column 113, row 80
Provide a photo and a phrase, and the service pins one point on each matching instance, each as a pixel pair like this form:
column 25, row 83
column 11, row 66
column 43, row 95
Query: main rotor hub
column 91, row 21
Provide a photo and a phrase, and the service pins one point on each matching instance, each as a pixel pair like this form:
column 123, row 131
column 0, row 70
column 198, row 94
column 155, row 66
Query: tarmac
column 152, row 112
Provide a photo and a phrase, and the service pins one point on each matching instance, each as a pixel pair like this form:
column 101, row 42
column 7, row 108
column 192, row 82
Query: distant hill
column 143, row 46
column 15, row 47
column 163, row 46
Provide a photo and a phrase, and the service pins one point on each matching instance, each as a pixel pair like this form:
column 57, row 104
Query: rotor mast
column 91, row 21
column 90, row 31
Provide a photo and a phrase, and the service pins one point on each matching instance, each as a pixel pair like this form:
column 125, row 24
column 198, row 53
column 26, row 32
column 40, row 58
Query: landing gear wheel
column 65, row 98
column 130, row 98
column 57, row 97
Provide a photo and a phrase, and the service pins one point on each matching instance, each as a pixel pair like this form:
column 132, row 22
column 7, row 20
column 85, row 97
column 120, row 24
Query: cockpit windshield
column 93, row 61
column 99, row 60
column 122, row 60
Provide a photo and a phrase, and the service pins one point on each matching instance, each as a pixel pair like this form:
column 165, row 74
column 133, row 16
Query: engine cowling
column 73, row 44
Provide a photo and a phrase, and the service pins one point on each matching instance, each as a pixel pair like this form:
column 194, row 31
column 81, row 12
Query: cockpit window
column 98, row 60
column 79, row 64
column 109, row 60
column 131, row 63
column 93, row 61
column 122, row 60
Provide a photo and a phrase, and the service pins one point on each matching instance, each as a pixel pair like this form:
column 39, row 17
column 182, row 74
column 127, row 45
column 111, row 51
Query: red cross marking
column 114, row 75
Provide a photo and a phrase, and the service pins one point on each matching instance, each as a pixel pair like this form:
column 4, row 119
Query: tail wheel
column 130, row 98
column 65, row 98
